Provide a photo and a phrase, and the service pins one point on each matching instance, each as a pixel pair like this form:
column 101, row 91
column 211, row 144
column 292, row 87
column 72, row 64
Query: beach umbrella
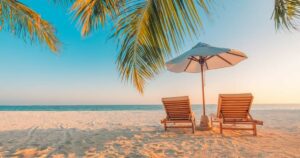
column 204, row 57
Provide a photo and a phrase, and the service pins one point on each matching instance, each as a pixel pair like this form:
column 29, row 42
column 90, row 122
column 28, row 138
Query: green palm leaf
column 20, row 20
column 149, row 31
column 91, row 14
column 286, row 14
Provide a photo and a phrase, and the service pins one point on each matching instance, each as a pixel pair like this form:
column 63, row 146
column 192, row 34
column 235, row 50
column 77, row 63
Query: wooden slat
column 178, row 121
column 239, row 101
column 234, row 116
column 238, row 112
column 235, row 104
column 177, row 107
column 232, row 128
column 179, row 111
column 232, row 113
column 173, row 104
column 236, row 99
column 237, row 109
column 177, row 115
column 174, row 115
column 229, row 115
column 179, row 126
column 237, row 122
column 176, row 102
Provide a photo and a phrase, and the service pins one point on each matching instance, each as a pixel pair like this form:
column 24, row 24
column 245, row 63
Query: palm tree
column 23, row 22
column 148, row 30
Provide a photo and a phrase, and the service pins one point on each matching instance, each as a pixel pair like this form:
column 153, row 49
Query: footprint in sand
column 170, row 152
column 30, row 133
column 60, row 147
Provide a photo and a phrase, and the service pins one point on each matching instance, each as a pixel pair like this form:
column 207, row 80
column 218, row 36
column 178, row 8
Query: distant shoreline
column 210, row 107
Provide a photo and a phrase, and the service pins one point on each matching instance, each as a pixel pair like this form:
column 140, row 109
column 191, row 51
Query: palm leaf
column 20, row 20
column 91, row 14
column 62, row 2
column 148, row 31
column 286, row 14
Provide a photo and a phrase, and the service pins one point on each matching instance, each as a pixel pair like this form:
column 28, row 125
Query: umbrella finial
column 200, row 44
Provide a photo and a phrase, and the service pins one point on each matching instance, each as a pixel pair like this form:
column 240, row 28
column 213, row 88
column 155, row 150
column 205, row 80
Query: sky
column 84, row 72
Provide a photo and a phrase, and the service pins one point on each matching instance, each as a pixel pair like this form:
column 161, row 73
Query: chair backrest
column 234, row 106
column 177, row 108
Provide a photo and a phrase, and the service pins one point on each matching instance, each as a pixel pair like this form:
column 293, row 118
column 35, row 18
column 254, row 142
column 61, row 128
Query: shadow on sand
column 147, row 141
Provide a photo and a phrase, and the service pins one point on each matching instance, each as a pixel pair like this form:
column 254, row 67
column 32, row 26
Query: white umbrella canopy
column 213, row 58
column 204, row 57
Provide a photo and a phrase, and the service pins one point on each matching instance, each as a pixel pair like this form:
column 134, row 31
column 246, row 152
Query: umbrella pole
column 204, row 123
column 203, row 94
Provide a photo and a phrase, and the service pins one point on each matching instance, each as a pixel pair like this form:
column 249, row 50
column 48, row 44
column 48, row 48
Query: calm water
column 209, row 107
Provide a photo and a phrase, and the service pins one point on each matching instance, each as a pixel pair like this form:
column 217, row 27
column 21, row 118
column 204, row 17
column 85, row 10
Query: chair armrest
column 221, row 119
column 249, row 115
column 258, row 122
column 163, row 120
column 192, row 116
column 214, row 118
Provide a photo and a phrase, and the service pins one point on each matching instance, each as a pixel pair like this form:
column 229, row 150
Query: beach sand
column 140, row 134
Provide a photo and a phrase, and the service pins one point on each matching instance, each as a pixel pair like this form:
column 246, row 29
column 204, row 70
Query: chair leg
column 193, row 126
column 221, row 128
column 254, row 129
column 211, row 121
column 165, row 124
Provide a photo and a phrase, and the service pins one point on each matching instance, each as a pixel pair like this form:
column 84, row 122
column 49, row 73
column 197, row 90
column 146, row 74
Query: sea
column 209, row 107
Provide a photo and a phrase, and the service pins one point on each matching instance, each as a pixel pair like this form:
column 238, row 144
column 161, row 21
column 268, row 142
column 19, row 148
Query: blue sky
column 85, row 72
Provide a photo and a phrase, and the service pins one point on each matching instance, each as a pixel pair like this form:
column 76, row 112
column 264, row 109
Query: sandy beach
column 139, row 134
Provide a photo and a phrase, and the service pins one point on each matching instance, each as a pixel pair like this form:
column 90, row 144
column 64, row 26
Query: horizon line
column 132, row 104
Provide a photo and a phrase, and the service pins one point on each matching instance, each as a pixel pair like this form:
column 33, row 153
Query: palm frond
column 286, row 14
column 149, row 30
column 23, row 22
column 61, row 2
column 91, row 14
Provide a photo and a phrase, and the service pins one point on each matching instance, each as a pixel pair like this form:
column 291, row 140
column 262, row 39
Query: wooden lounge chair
column 234, row 109
column 178, row 110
